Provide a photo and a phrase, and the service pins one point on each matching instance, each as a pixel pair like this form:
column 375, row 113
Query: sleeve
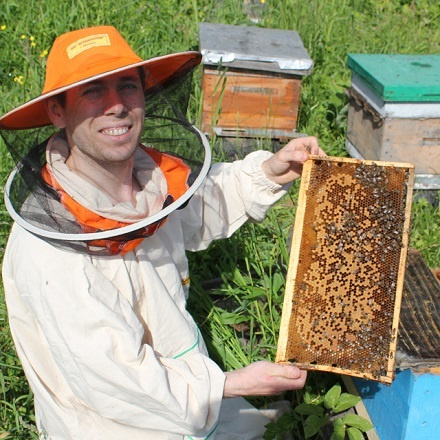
column 232, row 194
column 96, row 341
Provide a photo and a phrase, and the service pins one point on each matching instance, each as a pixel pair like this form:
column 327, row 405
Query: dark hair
column 61, row 99
column 142, row 76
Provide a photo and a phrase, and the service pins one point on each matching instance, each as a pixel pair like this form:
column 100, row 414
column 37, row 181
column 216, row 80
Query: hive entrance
column 344, row 284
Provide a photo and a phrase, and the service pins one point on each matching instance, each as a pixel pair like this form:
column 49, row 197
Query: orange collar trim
column 176, row 173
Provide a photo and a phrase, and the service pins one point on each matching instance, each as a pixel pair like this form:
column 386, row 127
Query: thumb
column 299, row 156
column 288, row 371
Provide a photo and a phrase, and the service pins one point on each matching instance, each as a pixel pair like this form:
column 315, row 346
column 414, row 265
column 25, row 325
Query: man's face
column 103, row 119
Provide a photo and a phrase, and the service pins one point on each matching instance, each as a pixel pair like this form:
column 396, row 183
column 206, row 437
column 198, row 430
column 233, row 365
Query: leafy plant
column 319, row 414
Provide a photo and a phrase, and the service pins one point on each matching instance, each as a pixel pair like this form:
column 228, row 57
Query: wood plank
column 364, row 130
column 289, row 304
column 360, row 407
column 413, row 140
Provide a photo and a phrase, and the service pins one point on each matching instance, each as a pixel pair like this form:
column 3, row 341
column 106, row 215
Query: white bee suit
column 106, row 343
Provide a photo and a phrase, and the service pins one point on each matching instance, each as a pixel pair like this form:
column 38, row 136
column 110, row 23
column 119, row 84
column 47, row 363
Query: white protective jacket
column 107, row 344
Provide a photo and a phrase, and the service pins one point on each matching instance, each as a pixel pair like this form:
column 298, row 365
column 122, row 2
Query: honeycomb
column 347, row 261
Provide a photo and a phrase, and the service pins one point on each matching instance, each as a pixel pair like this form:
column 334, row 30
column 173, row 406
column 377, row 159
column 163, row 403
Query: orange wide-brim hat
column 84, row 55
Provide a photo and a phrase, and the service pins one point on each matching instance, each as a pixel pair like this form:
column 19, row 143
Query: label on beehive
column 246, row 101
column 346, row 269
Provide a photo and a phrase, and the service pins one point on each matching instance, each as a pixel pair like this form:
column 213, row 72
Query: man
column 95, row 272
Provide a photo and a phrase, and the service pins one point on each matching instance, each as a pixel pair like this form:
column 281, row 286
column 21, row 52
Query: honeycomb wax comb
column 346, row 270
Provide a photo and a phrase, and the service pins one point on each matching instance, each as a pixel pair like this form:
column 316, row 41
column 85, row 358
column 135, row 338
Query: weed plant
column 237, row 284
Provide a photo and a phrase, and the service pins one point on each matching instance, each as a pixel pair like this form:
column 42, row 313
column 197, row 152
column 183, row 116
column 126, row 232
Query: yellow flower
column 33, row 44
column 32, row 38
column 2, row 27
column 23, row 37
column 19, row 79
column 44, row 53
column 263, row 1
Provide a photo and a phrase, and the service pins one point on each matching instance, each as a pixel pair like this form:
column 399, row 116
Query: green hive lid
column 399, row 77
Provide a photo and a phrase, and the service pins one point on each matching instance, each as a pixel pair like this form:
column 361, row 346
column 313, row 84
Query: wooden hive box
column 394, row 112
column 251, row 80
column 346, row 269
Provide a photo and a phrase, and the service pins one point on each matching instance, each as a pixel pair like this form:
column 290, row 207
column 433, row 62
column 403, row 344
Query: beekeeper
column 111, row 186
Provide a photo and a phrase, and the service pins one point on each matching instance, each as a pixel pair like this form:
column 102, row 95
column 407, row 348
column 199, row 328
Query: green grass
column 425, row 232
column 239, row 311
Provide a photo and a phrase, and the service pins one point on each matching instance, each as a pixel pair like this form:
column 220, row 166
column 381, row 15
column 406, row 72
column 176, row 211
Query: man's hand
column 263, row 379
column 286, row 164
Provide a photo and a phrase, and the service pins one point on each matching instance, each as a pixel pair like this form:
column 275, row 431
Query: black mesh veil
column 36, row 206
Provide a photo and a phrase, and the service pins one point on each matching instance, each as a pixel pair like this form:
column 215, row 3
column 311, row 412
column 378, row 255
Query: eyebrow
column 129, row 78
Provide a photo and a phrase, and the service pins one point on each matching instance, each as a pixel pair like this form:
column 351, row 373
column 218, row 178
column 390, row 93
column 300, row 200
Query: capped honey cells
column 346, row 269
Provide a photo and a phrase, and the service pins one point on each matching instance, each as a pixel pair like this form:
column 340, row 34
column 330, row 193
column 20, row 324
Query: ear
column 55, row 112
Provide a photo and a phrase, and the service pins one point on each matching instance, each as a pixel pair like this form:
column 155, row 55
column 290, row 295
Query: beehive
column 394, row 112
column 346, row 268
column 251, row 80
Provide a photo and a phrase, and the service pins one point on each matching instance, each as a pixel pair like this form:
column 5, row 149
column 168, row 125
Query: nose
column 115, row 105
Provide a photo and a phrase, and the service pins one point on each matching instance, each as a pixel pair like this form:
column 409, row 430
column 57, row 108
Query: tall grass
column 237, row 284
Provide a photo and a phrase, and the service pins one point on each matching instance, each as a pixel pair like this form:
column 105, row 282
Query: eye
column 92, row 90
column 130, row 86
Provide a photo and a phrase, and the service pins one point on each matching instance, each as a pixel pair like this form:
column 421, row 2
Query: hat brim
column 33, row 114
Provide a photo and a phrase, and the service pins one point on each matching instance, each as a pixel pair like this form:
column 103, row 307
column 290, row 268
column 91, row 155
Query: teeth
column 115, row 131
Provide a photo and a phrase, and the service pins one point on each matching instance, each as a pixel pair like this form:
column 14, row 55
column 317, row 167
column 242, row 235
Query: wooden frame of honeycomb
column 346, row 270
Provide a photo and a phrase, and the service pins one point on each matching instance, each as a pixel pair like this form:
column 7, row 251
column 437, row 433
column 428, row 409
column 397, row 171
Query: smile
column 117, row 131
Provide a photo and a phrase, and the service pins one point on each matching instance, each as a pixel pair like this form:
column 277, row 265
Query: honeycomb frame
column 346, row 269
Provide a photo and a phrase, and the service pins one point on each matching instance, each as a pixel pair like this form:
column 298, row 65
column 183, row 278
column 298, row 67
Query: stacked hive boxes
column 394, row 112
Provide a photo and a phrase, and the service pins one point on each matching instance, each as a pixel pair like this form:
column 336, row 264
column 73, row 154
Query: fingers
column 263, row 379
column 286, row 378
column 299, row 149
column 301, row 381
column 307, row 143
column 299, row 156
column 294, row 377
column 286, row 165
column 311, row 144
column 287, row 371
